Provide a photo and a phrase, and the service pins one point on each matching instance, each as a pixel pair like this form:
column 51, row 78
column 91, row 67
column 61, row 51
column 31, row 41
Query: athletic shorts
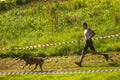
column 89, row 44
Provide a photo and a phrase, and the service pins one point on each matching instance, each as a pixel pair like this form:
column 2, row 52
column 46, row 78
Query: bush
column 4, row 6
column 21, row 2
column 79, row 4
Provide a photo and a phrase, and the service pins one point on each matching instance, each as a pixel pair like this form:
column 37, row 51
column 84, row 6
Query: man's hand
column 89, row 38
column 82, row 36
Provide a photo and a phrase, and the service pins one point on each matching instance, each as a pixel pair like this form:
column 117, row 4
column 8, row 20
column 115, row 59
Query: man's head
column 84, row 25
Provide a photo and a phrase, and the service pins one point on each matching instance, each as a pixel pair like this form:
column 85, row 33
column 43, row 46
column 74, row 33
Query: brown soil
column 63, row 63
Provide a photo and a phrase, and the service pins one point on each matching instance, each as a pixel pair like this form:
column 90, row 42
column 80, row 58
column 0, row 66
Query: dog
column 33, row 60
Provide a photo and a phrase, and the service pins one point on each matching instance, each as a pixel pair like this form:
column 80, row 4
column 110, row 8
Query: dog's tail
column 17, row 58
column 45, row 58
column 20, row 57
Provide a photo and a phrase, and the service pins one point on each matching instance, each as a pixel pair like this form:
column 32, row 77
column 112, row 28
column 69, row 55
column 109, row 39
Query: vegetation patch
column 53, row 22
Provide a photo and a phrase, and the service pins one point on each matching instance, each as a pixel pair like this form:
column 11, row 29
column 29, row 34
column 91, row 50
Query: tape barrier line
column 54, row 44
column 67, row 72
column 107, row 37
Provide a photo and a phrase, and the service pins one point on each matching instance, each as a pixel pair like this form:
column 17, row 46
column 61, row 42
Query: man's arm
column 92, row 33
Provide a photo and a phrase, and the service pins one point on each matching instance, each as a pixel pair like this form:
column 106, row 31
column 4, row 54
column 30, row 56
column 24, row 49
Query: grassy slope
column 56, row 22
column 88, row 76
column 36, row 25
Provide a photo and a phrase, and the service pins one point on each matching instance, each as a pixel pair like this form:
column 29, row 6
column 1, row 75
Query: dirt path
column 64, row 63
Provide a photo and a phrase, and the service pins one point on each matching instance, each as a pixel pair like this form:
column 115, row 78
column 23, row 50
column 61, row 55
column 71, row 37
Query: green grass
column 88, row 76
column 50, row 22
column 40, row 23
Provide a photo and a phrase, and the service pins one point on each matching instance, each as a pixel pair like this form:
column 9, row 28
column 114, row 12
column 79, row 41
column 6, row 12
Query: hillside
column 50, row 22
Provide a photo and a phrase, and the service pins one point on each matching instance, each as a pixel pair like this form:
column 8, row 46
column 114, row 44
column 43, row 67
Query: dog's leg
column 29, row 66
column 40, row 67
column 24, row 66
column 35, row 67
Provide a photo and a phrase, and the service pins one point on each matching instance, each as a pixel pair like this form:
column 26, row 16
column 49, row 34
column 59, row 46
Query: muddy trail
column 64, row 63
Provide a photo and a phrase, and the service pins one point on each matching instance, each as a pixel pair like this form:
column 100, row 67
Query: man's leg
column 81, row 59
column 100, row 53
column 83, row 54
column 95, row 52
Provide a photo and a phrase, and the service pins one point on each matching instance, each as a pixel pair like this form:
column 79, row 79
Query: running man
column 88, row 34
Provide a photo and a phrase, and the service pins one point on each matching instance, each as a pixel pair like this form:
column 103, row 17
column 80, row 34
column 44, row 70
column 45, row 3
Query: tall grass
column 57, row 22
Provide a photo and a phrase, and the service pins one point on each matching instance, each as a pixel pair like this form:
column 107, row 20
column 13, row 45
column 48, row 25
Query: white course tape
column 54, row 44
column 67, row 72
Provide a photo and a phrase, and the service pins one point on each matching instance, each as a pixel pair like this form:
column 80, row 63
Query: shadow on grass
column 114, row 64
column 109, row 64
